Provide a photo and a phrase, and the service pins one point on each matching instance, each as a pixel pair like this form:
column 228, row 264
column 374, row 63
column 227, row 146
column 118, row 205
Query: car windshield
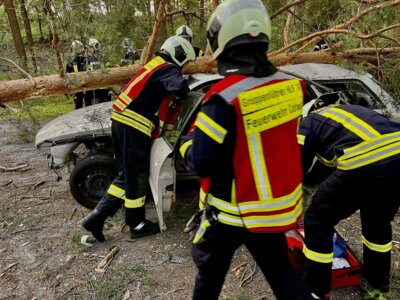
column 180, row 115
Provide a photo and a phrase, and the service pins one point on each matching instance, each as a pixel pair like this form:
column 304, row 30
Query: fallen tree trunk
column 54, row 85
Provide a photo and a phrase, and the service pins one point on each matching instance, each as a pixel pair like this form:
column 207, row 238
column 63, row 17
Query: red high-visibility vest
column 267, row 187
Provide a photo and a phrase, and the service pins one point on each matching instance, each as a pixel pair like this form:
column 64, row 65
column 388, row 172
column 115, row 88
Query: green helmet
column 77, row 47
column 184, row 31
column 179, row 49
column 236, row 22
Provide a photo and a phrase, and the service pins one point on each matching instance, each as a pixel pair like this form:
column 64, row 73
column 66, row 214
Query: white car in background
column 81, row 139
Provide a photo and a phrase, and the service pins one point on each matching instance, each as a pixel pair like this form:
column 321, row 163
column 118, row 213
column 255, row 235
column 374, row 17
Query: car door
column 162, row 161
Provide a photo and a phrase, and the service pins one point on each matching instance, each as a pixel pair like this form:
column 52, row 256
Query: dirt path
column 41, row 256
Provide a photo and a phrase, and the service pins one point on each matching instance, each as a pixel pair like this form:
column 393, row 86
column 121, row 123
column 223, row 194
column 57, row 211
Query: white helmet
column 180, row 50
column 127, row 43
column 307, row 108
column 77, row 47
column 94, row 43
column 324, row 100
column 236, row 22
column 184, row 31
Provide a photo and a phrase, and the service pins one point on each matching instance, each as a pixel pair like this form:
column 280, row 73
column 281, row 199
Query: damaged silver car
column 81, row 139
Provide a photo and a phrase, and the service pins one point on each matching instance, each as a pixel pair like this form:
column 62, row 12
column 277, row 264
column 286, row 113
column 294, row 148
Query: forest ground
column 41, row 256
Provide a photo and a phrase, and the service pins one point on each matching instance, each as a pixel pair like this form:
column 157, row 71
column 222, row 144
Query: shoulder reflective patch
column 154, row 63
column 270, row 106
column 210, row 127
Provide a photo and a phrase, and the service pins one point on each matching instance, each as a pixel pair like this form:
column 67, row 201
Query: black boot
column 144, row 229
column 94, row 223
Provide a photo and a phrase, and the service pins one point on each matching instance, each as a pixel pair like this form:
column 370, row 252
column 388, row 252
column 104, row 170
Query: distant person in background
column 322, row 45
column 76, row 65
column 130, row 55
column 187, row 33
column 94, row 63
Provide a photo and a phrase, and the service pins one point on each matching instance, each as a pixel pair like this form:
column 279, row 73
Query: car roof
column 322, row 71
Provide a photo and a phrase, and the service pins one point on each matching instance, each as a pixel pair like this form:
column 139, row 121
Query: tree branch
column 286, row 7
column 338, row 28
column 184, row 13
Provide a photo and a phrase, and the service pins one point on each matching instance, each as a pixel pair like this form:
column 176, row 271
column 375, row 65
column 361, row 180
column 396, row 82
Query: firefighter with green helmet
column 187, row 33
column 248, row 163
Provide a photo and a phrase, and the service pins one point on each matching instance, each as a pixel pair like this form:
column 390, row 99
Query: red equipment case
column 349, row 276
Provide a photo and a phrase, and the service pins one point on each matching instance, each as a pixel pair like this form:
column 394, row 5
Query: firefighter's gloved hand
column 208, row 221
column 193, row 224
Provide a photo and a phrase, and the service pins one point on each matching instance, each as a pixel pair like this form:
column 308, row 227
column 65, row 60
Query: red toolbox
column 347, row 275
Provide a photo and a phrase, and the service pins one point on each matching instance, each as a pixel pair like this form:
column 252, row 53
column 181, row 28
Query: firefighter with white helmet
column 187, row 33
column 360, row 147
column 130, row 54
column 134, row 122
column 243, row 147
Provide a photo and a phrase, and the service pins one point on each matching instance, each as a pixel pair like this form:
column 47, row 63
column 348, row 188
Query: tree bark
column 28, row 30
column 16, row 32
column 151, row 44
column 54, row 85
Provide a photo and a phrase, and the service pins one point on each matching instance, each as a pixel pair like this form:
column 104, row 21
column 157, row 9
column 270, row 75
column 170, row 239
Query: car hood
column 79, row 125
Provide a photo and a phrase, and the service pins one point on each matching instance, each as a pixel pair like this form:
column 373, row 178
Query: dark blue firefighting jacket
column 348, row 137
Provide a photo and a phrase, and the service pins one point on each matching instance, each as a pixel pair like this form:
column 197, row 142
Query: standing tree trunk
column 55, row 41
column 28, row 30
column 16, row 32
column 151, row 44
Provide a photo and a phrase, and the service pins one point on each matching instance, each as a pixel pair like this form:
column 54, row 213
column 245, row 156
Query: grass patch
column 37, row 109
column 113, row 285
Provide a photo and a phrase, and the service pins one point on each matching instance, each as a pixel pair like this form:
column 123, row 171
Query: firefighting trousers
column 132, row 157
column 213, row 257
column 80, row 97
column 374, row 191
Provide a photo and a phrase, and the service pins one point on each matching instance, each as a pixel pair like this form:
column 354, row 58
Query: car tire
column 91, row 178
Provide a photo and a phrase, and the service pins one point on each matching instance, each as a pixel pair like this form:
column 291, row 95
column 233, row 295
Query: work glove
column 201, row 225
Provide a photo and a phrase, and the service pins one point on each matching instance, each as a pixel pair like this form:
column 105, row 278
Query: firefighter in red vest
column 362, row 149
column 243, row 147
column 133, row 123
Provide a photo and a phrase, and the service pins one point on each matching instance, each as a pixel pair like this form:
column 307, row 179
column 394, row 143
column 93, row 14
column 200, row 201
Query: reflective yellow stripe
column 273, row 205
column 132, row 123
column 155, row 62
column 230, row 219
column 125, row 98
column 324, row 258
column 210, row 127
column 277, row 220
column 376, row 247
column 368, row 158
column 259, row 167
column 76, row 69
column 138, row 117
column 300, row 139
column 134, row 203
column 119, row 104
column 233, row 192
column 372, row 144
column 184, row 147
column 222, row 205
column 116, row 191
column 351, row 122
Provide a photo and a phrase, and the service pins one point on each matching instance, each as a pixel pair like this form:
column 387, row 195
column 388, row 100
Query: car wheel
column 91, row 178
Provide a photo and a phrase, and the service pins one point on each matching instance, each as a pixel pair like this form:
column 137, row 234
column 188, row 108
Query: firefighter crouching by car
column 243, row 146
column 133, row 122
column 363, row 147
